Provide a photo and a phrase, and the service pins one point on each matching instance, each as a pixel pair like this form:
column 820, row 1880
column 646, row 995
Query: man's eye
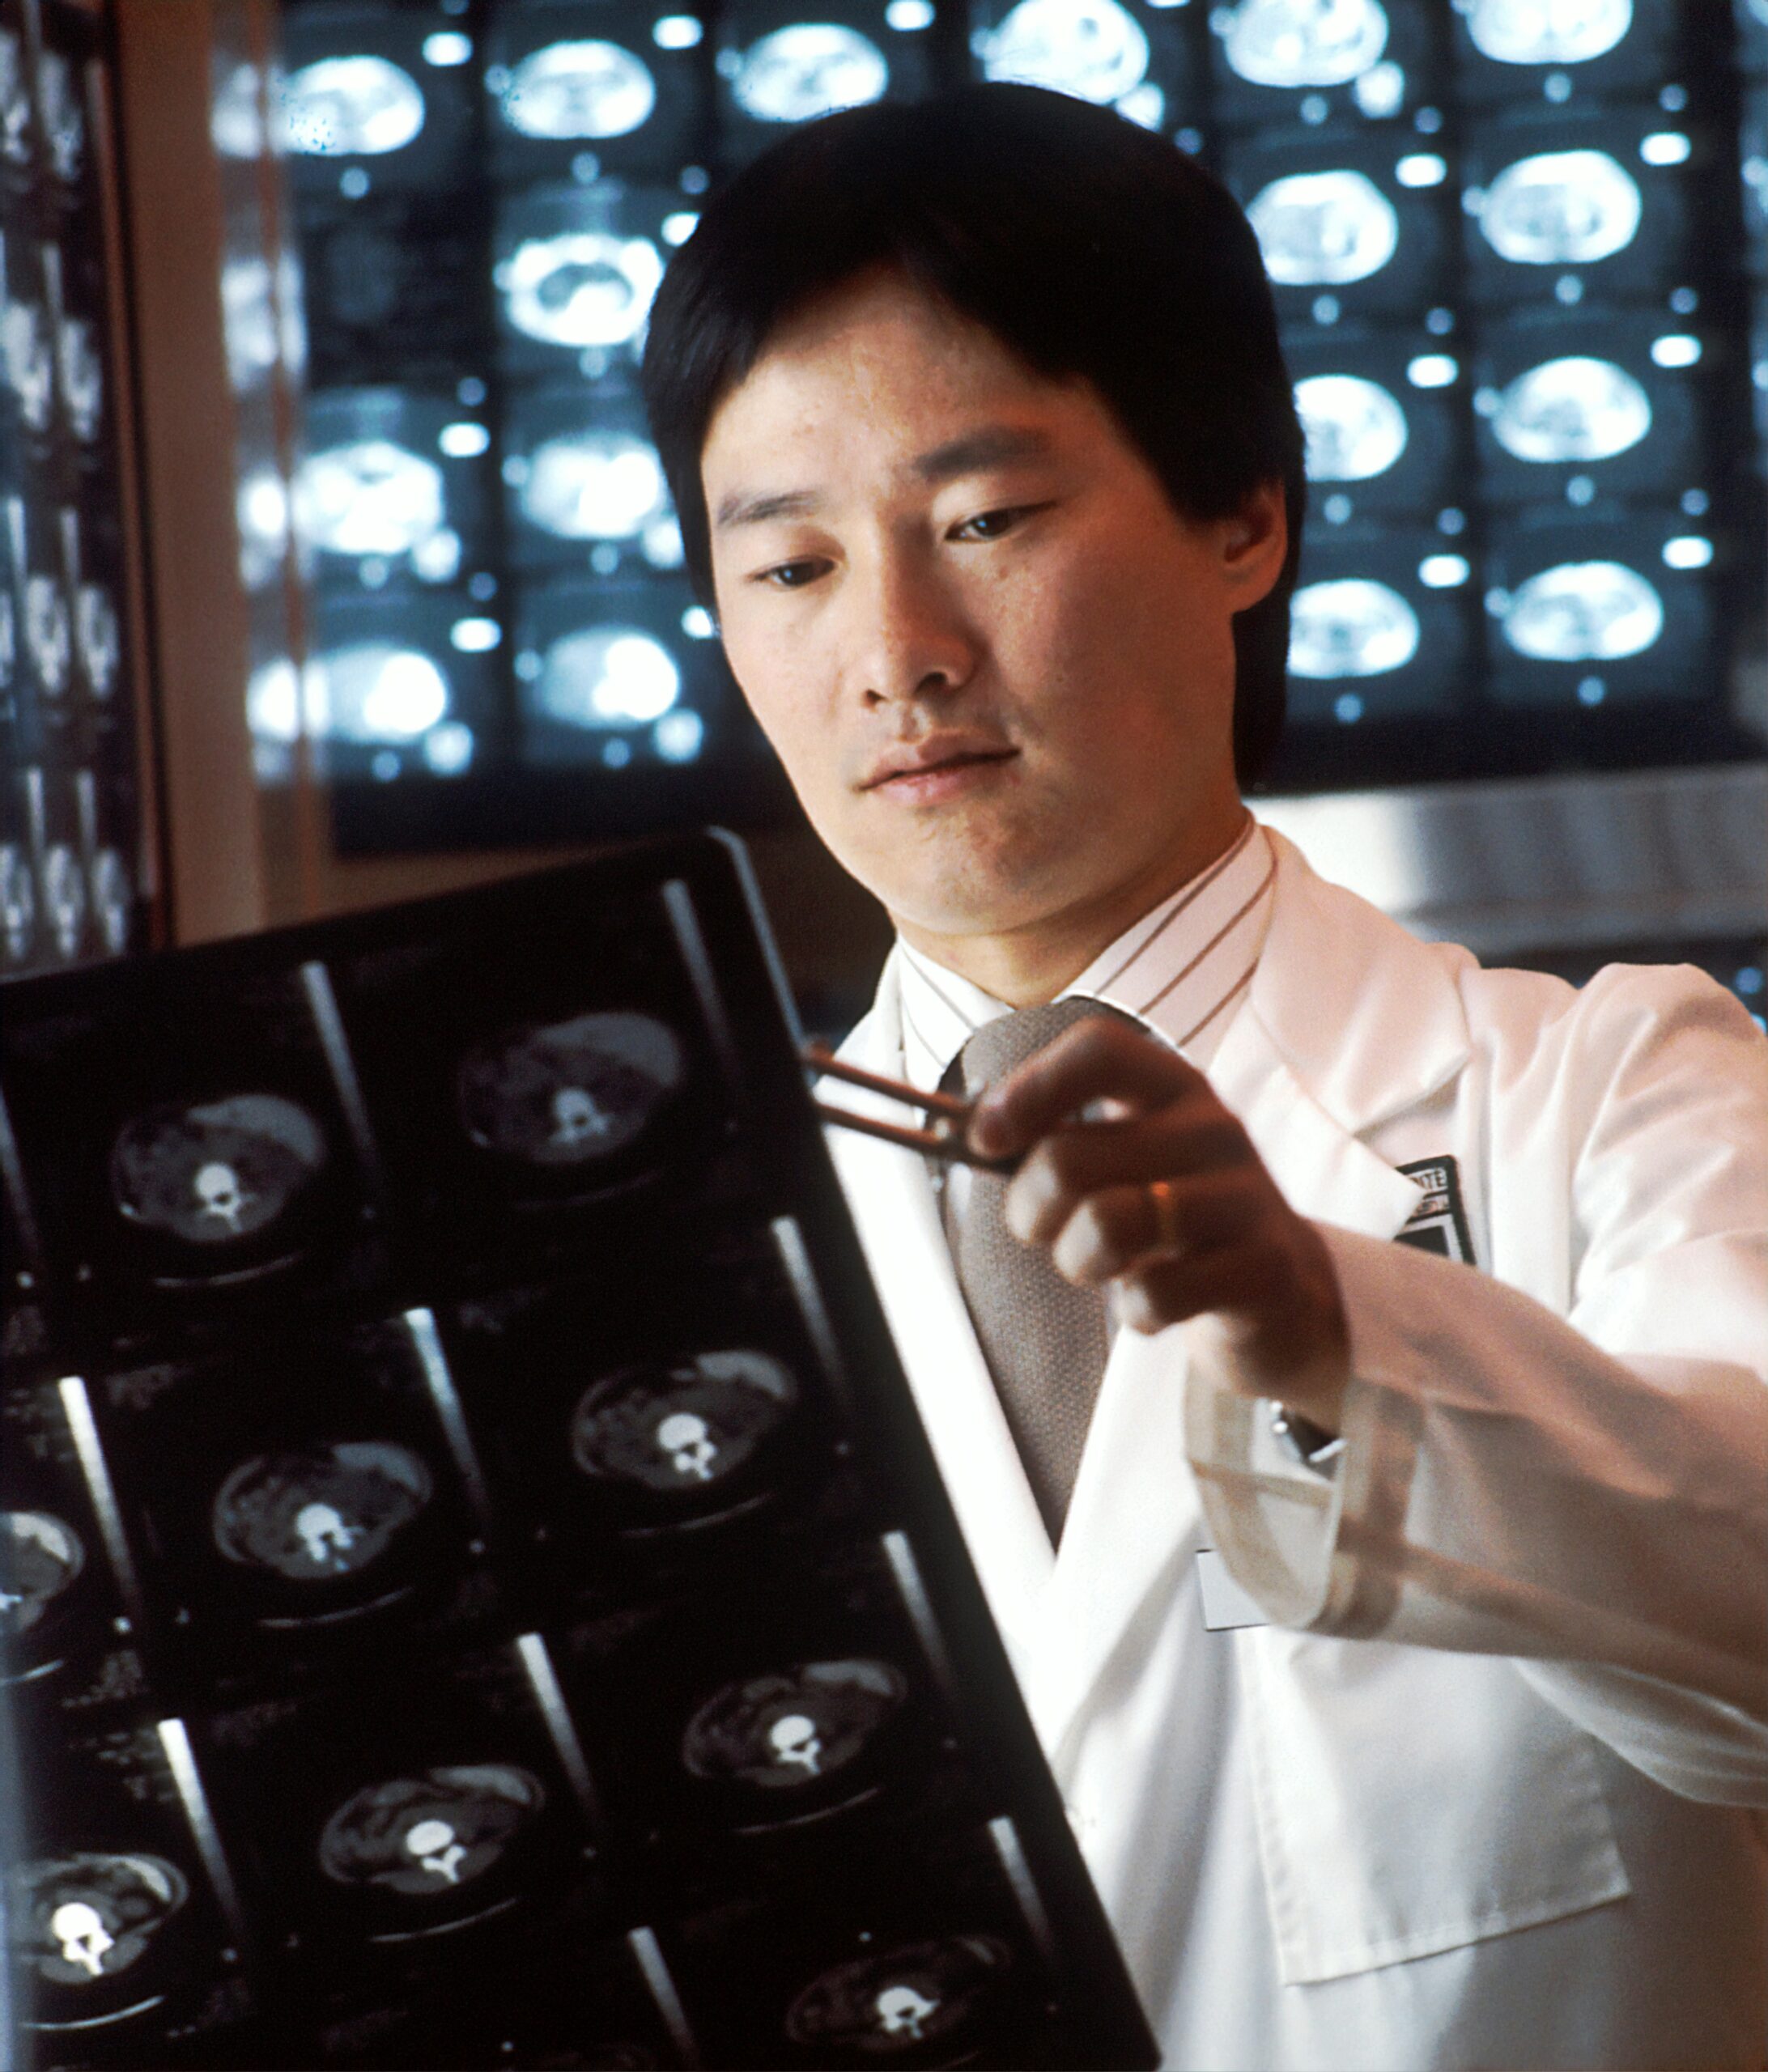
column 790, row 575
column 992, row 525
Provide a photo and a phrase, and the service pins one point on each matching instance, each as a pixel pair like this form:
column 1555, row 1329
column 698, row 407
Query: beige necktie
column 1045, row 1340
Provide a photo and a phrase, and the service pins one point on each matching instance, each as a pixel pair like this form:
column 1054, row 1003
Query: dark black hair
column 1087, row 246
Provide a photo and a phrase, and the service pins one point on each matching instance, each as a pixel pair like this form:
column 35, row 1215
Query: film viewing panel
column 473, row 1587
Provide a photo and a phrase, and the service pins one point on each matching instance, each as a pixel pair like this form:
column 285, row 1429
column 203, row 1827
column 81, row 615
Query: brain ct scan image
column 567, row 1096
column 1324, row 228
column 1093, row 49
column 1295, row 42
column 350, row 106
column 424, row 1837
column 675, row 1431
column 808, row 68
column 579, row 88
column 1561, row 209
column 215, row 1173
column 41, row 1557
column 783, row 1733
column 582, row 288
column 320, row 1512
column 1524, row 32
column 884, row 2006
column 80, row 1919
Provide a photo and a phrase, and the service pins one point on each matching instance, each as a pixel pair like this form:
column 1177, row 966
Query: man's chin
column 980, row 911
column 958, row 879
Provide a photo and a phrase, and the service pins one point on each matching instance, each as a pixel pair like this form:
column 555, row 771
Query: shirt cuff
column 1277, row 1523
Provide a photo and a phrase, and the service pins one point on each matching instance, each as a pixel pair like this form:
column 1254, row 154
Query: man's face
column 997, row 666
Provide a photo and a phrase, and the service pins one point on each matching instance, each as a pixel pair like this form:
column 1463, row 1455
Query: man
column 1396, row 1633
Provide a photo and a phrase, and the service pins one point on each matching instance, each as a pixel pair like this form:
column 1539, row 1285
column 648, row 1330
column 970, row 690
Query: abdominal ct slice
column 567, row 1096
column 425, row 1836
column 320, row 1512
column 41, row 1557
column 884, row 2006
column 212, row 1173
column 681, row 1430
column 783, row 1732
column 81, row 1918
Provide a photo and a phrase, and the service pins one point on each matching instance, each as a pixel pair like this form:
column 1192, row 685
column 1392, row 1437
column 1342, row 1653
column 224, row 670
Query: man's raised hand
column 1133, row 1174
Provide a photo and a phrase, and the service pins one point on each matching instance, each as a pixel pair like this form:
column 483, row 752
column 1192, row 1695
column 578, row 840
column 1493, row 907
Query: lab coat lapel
column 893, row 1205
column 1325, row 1172
column 1349, row 1020
column 1134, row 1513
column 1337, row 982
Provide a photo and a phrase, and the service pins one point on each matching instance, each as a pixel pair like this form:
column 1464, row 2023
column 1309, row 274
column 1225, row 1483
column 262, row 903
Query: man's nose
column 910, row 637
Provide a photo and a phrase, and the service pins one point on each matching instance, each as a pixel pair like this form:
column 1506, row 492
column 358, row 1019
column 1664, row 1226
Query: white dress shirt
column 1182, row 969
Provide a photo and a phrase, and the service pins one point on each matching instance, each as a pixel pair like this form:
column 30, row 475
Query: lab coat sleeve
column 1586, row 1493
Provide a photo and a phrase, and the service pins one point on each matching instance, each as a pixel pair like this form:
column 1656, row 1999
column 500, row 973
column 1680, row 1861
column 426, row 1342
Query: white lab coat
column 1480, row 1800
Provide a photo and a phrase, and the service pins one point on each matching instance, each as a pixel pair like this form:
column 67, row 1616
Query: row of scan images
column 1392, row 616
column 157, row 1168
column 399, row 482
column 441, row 1893
column 69, row 808
column 67, row 889
column 397, row 488
column 391, row 92
column 1486, row 227
column 714, row 1735
column 1353, row 222
column 1602, row 207
column 362, row 1836
column 61, row 631
column 275, row 1520
column 609, row 675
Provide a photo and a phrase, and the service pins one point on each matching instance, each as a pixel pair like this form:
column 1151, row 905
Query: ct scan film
column 474, row 1588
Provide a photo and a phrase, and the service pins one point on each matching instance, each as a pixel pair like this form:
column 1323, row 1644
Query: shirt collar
column 1181, row 968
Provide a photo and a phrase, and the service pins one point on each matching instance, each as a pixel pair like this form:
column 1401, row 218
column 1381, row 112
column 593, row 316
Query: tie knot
column 999, row 1046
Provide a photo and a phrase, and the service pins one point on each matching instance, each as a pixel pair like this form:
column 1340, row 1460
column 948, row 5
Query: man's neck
column 1028, row 966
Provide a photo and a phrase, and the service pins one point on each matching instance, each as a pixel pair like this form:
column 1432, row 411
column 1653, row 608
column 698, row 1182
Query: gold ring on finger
column 1167, row 1235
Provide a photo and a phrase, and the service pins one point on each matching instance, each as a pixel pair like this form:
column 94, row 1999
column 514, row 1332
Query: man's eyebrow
column 994, row 446
column 743, row 507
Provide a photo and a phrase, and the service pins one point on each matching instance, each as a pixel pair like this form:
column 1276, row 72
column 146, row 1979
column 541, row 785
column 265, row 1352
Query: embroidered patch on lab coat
column 1438, row 1224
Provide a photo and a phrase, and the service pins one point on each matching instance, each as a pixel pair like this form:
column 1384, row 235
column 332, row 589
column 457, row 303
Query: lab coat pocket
column 1410, row 1800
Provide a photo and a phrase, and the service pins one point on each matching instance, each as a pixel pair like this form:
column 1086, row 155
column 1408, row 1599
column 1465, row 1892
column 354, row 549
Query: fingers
column 1100, row 1058
column 1228, row 1244
column 1171, row 1290
column 1116, row 1229
column 1278, row 1305
column 1194, row 1135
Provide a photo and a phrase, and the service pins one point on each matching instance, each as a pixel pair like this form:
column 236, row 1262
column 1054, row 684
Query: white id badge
column 1225, row 1605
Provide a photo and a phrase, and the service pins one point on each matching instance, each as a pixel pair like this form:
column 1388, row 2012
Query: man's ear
column 1253, row 543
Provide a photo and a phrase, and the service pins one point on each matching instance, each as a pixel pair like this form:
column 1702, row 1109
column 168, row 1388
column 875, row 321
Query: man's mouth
column 923, row 766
